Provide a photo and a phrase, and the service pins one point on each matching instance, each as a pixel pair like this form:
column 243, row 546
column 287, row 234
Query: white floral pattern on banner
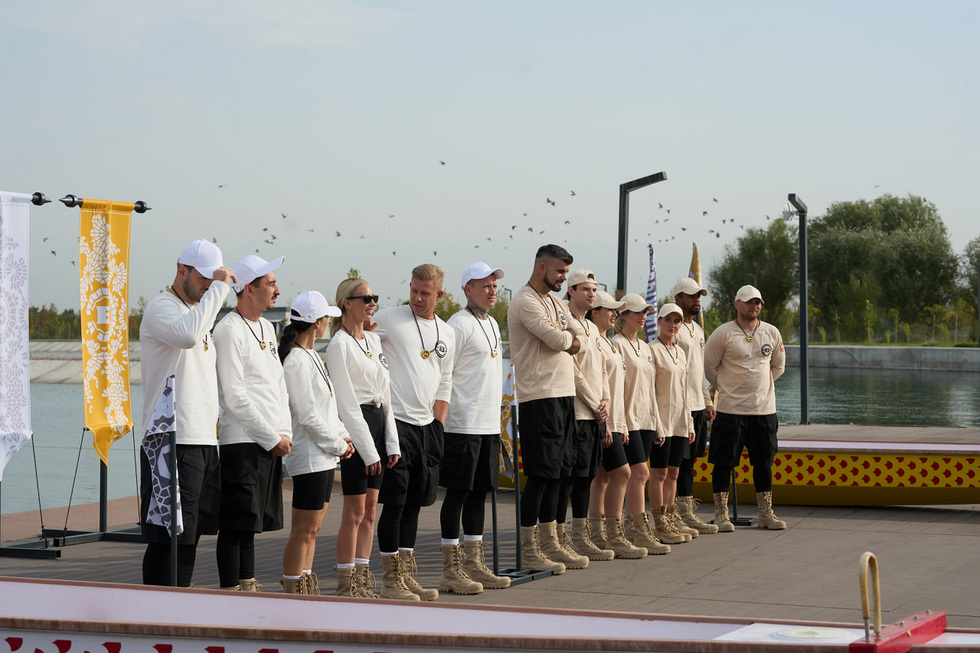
column 104, row 277
column 15, row 369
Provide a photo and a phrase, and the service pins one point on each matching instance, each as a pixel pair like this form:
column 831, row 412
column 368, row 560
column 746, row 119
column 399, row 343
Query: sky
column 382, row 135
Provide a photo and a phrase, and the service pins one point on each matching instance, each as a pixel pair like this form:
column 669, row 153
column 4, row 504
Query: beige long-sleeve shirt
column 539, row 336
column 616, row 372
column 591, row 378
column 743, row 370
column 673, row 409
column 691, row 339
column 641, row 375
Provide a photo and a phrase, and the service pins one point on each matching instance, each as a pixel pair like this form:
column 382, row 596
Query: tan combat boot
column 392, row 583
column 408, row 575
column 722, row 521
column 345, row 582
column 620, row 546
column 292, row 585
column 597, row 530
column 531, row 556
column 311, row 583
column 249, row 585
column 476, row 568
column 685, row 508
column 582, row 541
column 767, row 518
column 664, row 529
column 454, row 579
column 553, row 546
column 364, row 582
column 645, row 537
column 679, row 524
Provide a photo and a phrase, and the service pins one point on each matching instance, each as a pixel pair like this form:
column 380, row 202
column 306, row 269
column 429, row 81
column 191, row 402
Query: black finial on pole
column 71, row 201
column 140, row 206
column 39, row 199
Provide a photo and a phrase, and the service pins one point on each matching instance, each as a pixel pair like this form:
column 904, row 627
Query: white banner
column 15, row 358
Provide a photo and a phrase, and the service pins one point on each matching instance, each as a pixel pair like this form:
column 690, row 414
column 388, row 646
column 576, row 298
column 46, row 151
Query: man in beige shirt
column 541, row 346
column 687, row 295
column 743, row 358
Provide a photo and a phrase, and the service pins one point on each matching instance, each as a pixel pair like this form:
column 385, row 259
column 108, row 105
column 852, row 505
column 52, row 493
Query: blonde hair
column 346, row 288
column 429, row 272
column 619, row 326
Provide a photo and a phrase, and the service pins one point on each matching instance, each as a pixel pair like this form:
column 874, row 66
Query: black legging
column 721, row 478
column 685, row 478
column 579, row 490
column 235, row 553
column 539, row 500
column 156, row 564
column 398, row 527
column 465, row 505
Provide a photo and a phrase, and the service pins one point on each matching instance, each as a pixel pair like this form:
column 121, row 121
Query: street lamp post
column 800, row 206
column 624, row 221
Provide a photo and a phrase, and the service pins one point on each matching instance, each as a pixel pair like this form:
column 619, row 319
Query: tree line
column 880, row 271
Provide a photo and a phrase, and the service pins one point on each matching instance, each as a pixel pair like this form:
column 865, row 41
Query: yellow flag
column 508, row 426
column 104, row 288
column 695, row 273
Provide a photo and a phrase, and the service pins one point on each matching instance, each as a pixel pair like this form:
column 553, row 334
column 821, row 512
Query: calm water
column 887, row 397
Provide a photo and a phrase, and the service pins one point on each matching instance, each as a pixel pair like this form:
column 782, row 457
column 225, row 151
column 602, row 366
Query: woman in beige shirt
column 641, row 418
column 676, row 423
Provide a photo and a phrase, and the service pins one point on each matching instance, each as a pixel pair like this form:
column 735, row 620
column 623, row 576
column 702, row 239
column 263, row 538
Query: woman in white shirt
column 319, row 437
column 360, row 374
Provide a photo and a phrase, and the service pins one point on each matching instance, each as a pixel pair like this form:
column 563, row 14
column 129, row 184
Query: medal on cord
column 439, row 347
column 496, row 338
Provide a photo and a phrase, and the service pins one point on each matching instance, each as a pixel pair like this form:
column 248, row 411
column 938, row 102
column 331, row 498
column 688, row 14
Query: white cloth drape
column 15, row 362
column 156, row 444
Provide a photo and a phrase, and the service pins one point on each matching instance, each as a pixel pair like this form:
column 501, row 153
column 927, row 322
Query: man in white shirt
column 743, row 359
column 175, row 341
column 687, row 295
column 255, row 424
column 471, row 462
column 419, row 347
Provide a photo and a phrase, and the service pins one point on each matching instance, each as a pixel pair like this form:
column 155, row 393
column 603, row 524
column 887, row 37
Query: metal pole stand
column 736, row 520
column 516, row 574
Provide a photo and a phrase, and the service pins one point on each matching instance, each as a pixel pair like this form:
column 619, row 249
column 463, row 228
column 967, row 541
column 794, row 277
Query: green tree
column 447, row 306
column 767, row 259
column 892, row 251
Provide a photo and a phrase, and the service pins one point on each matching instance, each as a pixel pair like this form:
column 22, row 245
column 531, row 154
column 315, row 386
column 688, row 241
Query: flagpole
column 804, row 312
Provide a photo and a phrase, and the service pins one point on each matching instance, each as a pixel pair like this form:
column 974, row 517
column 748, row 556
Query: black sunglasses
column 366, row 298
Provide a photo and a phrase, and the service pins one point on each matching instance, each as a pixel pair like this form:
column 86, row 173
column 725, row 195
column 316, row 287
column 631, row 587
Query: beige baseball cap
column 748, row 293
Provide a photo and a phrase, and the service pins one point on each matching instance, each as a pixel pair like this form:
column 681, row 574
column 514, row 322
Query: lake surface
column 837, row 396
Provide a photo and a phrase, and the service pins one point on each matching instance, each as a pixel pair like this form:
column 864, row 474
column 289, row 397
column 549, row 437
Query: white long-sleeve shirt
column 477, row 376
column 359, row 380
column 319, row 437
column 175, row 340
column 253, row 398
column 416, row 382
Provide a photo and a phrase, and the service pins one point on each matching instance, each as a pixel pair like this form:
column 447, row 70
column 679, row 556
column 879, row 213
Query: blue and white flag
column 650, row 328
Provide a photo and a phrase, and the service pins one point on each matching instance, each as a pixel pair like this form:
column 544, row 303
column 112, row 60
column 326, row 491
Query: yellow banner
column 508, row 428
column 104, row 288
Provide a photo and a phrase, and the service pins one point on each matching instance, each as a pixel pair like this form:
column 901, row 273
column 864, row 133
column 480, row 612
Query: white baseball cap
column 310, row 306
column 669, row 308
column 748, row 293
column 253, row 267
column 605, row 300
column 480, row 270
column 580, row 276
column 637, row 304
column 687, row 286
column 202, row 255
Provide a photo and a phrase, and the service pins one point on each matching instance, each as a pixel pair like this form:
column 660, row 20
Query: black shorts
column 587, row 448
column 199, row 479
column 700, row 444
column 639, row 446
column 470, row 462
column 546, row 428
column 251, row 489
column 311, row 491
column 415, row 478
column 614, row 456
column 669, row 454
column 730, row 433
column 353, row 479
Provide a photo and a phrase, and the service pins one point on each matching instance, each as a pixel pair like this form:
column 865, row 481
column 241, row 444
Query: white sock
column 472, row 538
column 345, row 565
column 405, row 548
column 446, row 542
column 291, row 577
column 393, row 553
column 361, row 561
column 307, row 571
